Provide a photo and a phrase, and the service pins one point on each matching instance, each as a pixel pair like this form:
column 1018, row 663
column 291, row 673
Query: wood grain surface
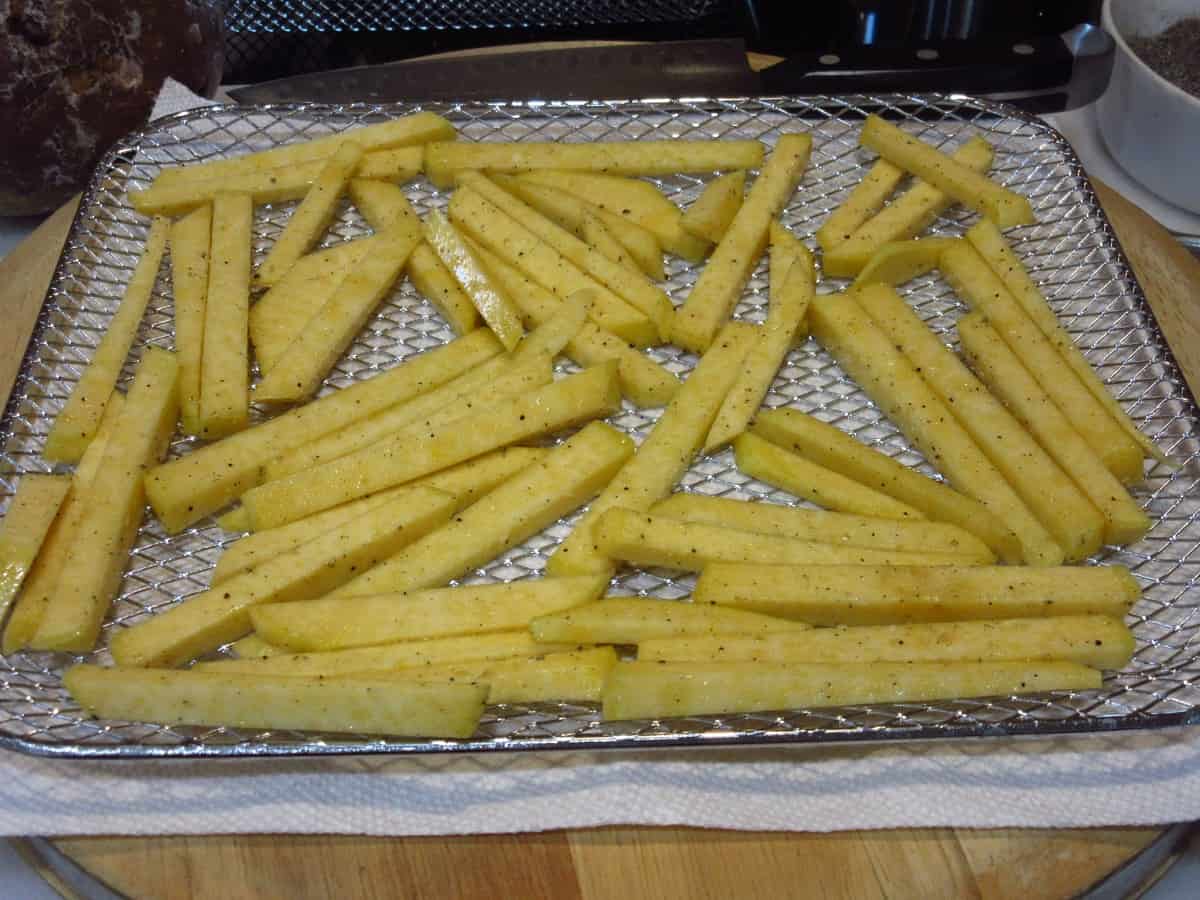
column 622, row 863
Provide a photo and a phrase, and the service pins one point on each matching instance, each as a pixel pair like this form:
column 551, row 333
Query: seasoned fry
column 631, row 620
column 1101, row 642
column 831, row 447
column 975, row 282
column 597, row 236
column 250, row 647
column 647, row 540
column 714, row 210
column 371, row 705
column 24, row 529
column 902, row 261
column 573, row 675
column 437, row 613
column 665, row 454
column 190, row 242
column 825, row 527
column 1050, row 494
column 225, row 359
column 237, row 519
column 863, row 202
column 443, row 161
column 779, row 468
column 866, row 354
column 415, row 450
column 312, row 216
column 185, row 490
column 112, row 504
column 221, row 614
column 1124, row 520
column 75, row 426
column 895, row 595
column 720, row 284
column 1004, row 207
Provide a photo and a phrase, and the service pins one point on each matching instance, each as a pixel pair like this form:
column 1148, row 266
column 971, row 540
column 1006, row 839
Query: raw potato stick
column 864, row 200
column 366, row 705
column 436, row 613
column 867, row 356
column 415, row 451
column 832, row 448
column 59, row 544
column 905, row 217
column 825, row 527
column 987, row 240
column 711, row 214
column 75, row 426
column 187, row 489
column 653, row 690
column 443, row 161
column 303, row 366
column 647, row 540
column 311, row 218
column 725, row 274
column 664, row 456
column 1004, row 207
column 190, row 242
column 225, row 361
column 1124, row 520
column 971, row 278
column 565, row 479
column 895, row 595
column 113, row 503
column 1101, row 642
column 221, row 614
column 1050, row 494
column 23, row 531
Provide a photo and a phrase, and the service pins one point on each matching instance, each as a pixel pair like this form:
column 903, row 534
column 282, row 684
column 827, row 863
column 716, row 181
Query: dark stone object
column 76, row 75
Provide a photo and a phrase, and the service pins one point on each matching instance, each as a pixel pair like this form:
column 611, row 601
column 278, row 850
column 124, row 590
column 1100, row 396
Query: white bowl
column 1151, row 127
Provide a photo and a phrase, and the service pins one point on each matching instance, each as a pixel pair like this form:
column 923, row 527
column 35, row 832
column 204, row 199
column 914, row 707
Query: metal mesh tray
column 1071, row 252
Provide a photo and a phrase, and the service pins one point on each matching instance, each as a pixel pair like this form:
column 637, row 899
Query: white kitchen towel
column 1053, row 783
column 174, row 97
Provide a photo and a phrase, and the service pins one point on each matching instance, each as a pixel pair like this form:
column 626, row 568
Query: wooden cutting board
column 619, row 863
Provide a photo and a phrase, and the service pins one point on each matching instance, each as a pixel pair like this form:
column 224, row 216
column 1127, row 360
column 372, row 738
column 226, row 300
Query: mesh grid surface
column 1071, row 252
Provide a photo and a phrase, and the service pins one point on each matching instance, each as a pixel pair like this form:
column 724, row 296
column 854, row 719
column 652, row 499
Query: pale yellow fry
column 225, row 361
column 311, row 218
column 419, row 615
column 366, row 705
column 301, row 369
column 807, row 480
column 986, row 238
column 643, row 381
column 902, row 261
column 818, row 525
column 1101, row 642
column 720, row 284
column 113, row 502
column 1050, row 494
column 905, row 217
column 785, row 249
column 976, row 283
column 59, row 543
column 415, row 450
column 24, row 529
column 654, row 690
column 631, row 620
column 666, row 453
column 237, row 519
column 711, row 214
column 867, row 356
column 887, row 595
column 495, row 308
column 190, row 242
column 443, row 161
column 391, row 166
column 187, row 489
column 1124, row 520
column 563, row 480
column 251, row 647
column 467, row 482
column 832, row 448
column 1004, row 207
column 864, row 200
column 597, row 236
column 76, row 424
column 642, row 539
column 204, row 622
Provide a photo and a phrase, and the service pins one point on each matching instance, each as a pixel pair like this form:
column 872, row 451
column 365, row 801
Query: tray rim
column 1172, row 723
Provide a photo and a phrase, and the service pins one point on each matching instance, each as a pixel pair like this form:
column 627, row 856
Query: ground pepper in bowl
column 1174, row 54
